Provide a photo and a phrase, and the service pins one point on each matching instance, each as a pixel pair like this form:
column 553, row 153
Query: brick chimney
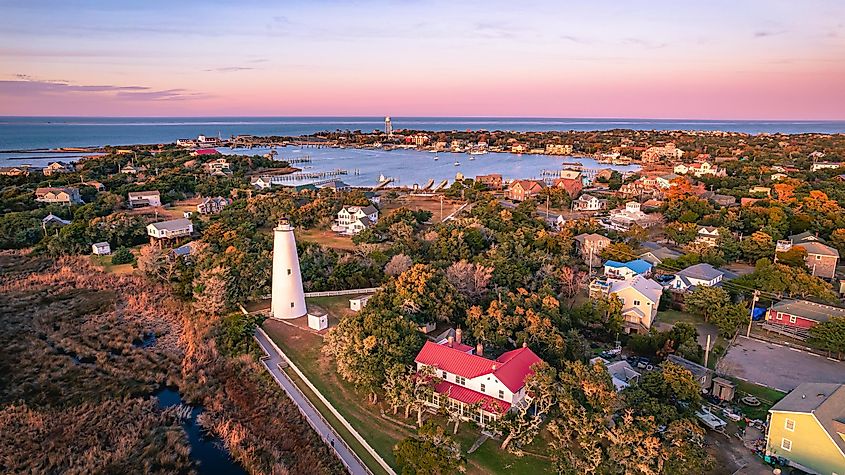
column 451, row 341
column 458, row 334
column 479, row 349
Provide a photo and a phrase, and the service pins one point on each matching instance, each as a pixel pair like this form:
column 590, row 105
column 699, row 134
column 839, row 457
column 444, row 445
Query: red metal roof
column 468, row 396
column 511, row 368
column 207, row 151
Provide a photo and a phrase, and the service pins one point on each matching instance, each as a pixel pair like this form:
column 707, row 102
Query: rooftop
column 510, row 368
column 825, row 401
column 814, row 311
column 172, row 225
column 701, row 271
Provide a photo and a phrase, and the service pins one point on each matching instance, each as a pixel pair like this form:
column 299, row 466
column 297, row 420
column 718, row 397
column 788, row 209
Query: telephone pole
column 751, row 315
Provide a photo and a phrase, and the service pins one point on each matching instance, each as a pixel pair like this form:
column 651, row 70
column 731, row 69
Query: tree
column 795, row 257
column 829, row 335
column 523, row 424
column 571, row 280
column 636, row 235
column 423, row 390
column 471, row 280
column 398, row 264
column 729, row 318
column 681, row 233
column 431, row 452
column 758, row 246
column 399, row 387
column 153, row 262
column 633, row 445
column 122, row 256
column 365, row 345
column 210, row 292
column 423, row 294
column 837, row 240
column 706, row 301
column 618, row 251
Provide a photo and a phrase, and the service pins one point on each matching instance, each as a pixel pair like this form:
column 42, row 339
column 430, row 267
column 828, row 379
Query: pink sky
column 758, row 60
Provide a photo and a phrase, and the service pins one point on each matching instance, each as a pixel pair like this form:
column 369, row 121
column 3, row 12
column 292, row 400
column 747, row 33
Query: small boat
column 471, row 157
column 457, row 164
column 436, row 158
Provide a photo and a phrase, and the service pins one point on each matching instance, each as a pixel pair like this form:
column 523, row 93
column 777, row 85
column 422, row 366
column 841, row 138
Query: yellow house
column 807, row 427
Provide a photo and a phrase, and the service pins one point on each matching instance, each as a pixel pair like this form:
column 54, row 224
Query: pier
column 299, row 176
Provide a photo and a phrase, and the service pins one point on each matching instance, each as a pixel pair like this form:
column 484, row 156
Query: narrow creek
column 206, row 451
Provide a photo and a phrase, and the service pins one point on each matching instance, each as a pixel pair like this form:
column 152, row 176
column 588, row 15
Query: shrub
column 122, row 256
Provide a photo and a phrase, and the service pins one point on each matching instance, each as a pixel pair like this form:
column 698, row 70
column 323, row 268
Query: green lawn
column 105, row 263
column 674, row 316
column 326, row 238
column 767, row 396
column 304, row 349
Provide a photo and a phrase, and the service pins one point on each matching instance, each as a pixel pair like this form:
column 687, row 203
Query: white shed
column 101, row 248
column 318, row 322
column 357, row 303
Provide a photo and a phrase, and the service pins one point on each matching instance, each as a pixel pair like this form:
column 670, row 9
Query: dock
column 383, row 183
column 442, row 184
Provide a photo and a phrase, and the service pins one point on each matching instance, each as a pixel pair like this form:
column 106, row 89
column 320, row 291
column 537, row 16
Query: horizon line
column 496, row 117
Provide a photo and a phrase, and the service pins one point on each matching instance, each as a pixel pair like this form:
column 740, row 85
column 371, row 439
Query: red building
column 570, row 180
column 521, row 190
column 801, row 314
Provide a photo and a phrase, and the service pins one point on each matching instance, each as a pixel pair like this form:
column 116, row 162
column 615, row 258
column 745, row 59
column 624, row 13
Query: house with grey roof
column 172, row 229
column 655, row 253
column 821, row 259
column 354, row 219
column 702, row 274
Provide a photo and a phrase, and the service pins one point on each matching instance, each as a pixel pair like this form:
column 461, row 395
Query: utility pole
column 751, row 315
column 441, row 208
column 707, row 351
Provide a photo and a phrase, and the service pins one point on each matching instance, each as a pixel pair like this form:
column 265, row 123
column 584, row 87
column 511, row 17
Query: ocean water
column 17, row 133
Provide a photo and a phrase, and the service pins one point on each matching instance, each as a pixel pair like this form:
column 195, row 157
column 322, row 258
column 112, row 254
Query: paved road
column 778, row 366
column 316, row 420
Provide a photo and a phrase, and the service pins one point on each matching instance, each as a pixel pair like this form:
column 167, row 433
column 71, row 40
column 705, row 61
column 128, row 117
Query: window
column 291, row 305
column 786, row 444
column 818, row 258
column 792, row 319
column 460, row 380
column 636, row 303
column 288, row 271
column 780, row 316
column 789, row 425
column 444, row 376
column 482, row 387
column 501, row 394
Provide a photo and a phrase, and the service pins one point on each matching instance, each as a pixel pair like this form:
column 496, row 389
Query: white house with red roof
column 468, row 378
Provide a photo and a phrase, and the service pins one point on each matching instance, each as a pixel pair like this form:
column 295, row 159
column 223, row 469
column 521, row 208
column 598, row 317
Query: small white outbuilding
column 318, row 322
column 357, row 303
column 101, row 249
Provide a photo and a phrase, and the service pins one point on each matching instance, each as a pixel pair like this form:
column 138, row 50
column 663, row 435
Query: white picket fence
column 335, row 293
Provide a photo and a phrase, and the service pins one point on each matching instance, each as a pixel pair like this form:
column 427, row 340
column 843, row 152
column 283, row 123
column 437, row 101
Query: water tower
column 288, row 297
column 388, row 127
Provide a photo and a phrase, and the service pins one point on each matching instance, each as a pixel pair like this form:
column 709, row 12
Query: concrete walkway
column 353, row 464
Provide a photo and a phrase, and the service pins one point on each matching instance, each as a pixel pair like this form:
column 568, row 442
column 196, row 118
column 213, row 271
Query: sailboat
column 436, row 158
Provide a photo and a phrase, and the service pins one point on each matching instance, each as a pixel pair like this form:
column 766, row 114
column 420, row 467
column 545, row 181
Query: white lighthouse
column 388, row 127
column 288, row 296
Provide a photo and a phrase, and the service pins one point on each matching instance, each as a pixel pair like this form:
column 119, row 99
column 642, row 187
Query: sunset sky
column 714, row 59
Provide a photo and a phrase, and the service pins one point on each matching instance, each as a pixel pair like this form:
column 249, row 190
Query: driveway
column 777, row 366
